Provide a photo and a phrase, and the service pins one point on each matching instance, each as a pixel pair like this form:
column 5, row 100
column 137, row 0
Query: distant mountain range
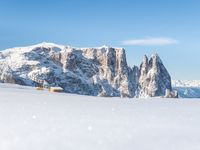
column 101, row 71
column 187, row 88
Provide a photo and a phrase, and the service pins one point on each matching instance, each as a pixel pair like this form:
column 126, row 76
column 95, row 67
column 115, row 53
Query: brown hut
column 56, row 89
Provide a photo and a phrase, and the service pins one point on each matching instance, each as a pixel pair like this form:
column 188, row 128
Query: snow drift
column 38, row 120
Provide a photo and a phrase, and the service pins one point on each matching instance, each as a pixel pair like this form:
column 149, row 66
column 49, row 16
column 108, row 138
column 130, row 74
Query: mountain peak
column 155, row 57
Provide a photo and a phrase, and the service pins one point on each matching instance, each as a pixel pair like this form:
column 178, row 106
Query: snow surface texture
column 39, row 120
column 187, row 88
column 101, row 71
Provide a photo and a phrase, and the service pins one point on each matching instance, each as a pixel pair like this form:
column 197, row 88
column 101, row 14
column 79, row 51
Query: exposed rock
column 171, row 94
column 99, row 71
column 154, row 78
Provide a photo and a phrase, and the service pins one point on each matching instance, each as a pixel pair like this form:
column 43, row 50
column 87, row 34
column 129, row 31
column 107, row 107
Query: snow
column 186, row 83
column 29, row 48
column 31, row 119
column 187, row 88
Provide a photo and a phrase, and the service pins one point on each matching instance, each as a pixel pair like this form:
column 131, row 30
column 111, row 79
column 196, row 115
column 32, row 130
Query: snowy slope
column 39, row 120
column 186, row 83
column 187, row 88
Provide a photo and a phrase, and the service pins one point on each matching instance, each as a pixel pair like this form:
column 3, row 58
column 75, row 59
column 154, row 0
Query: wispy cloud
column 150, row 41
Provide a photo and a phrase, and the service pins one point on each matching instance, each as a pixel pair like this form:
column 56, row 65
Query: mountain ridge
column 99, row 71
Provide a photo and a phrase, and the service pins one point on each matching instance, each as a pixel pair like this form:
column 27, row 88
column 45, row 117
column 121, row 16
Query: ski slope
column 39, row 120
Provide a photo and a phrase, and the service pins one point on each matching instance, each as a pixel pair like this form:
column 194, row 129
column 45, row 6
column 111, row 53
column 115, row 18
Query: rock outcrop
column 171, row 94
column 154, row 78
column 99, row 71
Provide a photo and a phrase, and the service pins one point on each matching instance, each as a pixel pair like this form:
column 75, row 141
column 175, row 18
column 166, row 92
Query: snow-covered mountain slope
column 101, row 71
column 186, row 83
column 187, row 88
column 38, row 120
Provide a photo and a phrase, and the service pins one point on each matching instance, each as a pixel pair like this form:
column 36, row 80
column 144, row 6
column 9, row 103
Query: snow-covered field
column 39, row 120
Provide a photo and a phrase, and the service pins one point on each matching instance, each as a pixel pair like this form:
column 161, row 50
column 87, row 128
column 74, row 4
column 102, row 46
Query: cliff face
column 154, row 79
column 99, row 71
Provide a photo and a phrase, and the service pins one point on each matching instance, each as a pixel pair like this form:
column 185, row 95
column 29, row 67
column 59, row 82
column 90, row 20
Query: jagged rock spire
column 144, row 66
column 157, row 79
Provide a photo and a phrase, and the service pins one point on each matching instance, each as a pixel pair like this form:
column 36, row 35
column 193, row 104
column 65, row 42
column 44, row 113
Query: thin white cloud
column 150, row 42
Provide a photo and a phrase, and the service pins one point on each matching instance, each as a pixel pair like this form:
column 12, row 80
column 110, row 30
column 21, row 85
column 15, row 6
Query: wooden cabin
column 55, row 89
column 39, row 88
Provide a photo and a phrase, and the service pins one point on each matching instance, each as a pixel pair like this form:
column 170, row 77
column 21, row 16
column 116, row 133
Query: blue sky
column 170, row 28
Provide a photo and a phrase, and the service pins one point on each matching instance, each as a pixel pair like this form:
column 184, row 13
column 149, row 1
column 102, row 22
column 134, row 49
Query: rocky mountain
column 101, row 71
column 154, row 78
